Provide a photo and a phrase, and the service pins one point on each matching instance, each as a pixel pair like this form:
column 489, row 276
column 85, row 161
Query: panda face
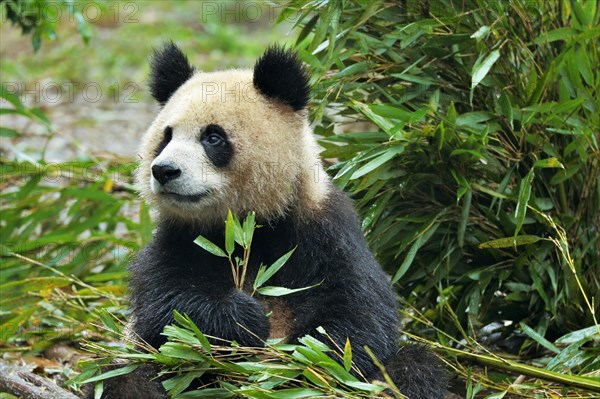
column 179, row 171
column 220, row 142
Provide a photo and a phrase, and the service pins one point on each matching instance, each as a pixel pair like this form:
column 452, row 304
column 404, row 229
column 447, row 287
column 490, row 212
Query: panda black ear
column 169, row 69
column 280, row 75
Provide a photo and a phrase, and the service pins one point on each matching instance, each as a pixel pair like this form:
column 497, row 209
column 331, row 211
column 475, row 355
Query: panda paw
column 417, row 373
column 142, row 383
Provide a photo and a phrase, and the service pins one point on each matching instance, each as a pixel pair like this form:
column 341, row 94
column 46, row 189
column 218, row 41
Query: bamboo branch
column 531, row 371
column 22, row 383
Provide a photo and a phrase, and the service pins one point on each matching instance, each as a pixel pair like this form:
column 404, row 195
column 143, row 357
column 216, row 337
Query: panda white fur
column 240, row 140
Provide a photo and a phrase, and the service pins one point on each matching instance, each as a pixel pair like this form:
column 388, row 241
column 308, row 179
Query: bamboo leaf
column 248, row 227
column 377, row 162
column 385, row 124
column 181, row 351
column 588, row 333
column 506, row 108
column 12, row 325
column 412, row 252
column 205, row 244
column 33, row 285
column 538, row 338
column 239, row 233
column 294, row 393
column 113, row 373
column 347, row 355
column 108, row 319
column 464, row 217
column 508, row 242
column 523, row 200
column 11, row 97
column 280, row 291
column 548, row 163
column 451, row 115
column 555, row 34
column 481, row 69
column 207, row 393
column 187, row 322
column 229, row 234
column 266, row 274
column 8, row 132
column 145, row 223
column 583, row 62
column 354, row 69
column 481, row 33
column 180, row 383
column 498, row 395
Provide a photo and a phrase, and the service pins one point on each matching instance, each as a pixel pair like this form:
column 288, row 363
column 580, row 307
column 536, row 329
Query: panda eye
column 214, row 139
column 216, row 145
column 214, row 136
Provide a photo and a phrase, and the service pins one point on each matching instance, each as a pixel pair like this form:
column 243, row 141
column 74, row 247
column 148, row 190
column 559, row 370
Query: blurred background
column 86, row 67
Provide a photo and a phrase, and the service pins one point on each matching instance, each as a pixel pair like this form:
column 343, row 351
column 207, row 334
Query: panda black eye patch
column 218, row 149
column 167, row 136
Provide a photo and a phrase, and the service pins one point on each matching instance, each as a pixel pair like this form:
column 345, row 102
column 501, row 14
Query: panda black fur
column 240, row 140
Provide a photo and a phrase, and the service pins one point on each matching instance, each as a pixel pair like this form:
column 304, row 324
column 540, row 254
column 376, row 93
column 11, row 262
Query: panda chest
column 278, row 311
column 281, row 317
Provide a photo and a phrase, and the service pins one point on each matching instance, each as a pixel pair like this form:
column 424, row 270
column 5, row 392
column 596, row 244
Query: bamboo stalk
column 532, row 371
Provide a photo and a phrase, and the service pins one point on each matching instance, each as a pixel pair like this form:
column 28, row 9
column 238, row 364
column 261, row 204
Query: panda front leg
column 340, row 330
column 232, row 315
column 415, row 371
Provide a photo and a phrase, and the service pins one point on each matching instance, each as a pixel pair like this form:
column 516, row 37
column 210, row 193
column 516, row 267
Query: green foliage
column 308, row 369
column 278, row 370
column 478, row 178
column 18, row 108
column 40, row 17
column 117, row 63
column 67, row 232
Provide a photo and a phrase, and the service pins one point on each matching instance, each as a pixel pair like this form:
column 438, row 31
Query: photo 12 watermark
column 56, row 172
column 73, row 11
column 60, row 92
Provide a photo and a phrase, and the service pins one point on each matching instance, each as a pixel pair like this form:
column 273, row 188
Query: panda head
column 234, row 139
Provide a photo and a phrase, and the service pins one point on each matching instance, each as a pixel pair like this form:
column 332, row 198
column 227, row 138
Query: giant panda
column 240, row 140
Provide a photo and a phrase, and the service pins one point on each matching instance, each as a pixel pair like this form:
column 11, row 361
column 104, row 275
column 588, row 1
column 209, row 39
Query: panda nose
column 165, row 173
